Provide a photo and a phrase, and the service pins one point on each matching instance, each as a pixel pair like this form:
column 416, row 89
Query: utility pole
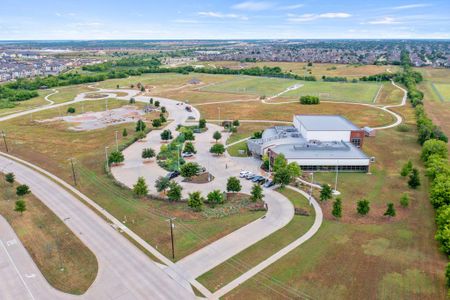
column 4, row 140
column 311, row 187
column 172, row 225
column 117, row 143
column 336, row 180
column 106, row 156
column 73, row 173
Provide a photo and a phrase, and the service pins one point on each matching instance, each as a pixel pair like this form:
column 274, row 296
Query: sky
column 214, row 19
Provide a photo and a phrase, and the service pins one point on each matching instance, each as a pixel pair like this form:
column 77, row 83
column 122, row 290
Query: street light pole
column 172, row 225
column 311, row 187
column 4, row 140
column 73, row 173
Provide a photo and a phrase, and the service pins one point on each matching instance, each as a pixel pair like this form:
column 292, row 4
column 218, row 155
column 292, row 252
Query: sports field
column 262, row 86
column 442, row 90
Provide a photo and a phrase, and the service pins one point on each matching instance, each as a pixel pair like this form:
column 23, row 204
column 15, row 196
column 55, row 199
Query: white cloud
column 253, row 5
column 312, row 17
column 219, row 15
column 409, row 6
column 185, row 21
column 290, row 7
column 384, row 21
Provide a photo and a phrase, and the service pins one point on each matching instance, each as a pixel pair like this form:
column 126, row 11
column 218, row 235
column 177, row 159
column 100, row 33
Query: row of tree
column 308, row 100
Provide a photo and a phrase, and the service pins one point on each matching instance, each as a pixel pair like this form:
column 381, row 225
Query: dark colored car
column 269, row 183
column 257, row 178
column 173, row 174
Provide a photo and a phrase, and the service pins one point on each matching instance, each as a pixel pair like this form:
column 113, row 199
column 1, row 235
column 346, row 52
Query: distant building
column 316, row 143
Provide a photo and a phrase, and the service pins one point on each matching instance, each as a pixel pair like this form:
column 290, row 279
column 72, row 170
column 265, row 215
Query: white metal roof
column 325, row 123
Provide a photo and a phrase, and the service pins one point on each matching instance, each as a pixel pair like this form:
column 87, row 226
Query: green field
column 333, row 91
column 442, row 90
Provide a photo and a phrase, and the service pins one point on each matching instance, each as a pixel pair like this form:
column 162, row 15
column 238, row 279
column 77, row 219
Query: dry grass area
column 389, row 94
column 51, row 145
column 66, row 263
column 360, row 115
column 364, row 257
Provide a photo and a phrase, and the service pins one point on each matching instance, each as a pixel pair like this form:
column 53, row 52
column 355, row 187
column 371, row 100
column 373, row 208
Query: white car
column 243, row 174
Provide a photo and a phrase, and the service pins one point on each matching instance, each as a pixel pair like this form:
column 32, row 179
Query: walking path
column 278, row 255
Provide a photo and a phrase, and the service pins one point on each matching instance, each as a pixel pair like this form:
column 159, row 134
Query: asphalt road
column 124, row 271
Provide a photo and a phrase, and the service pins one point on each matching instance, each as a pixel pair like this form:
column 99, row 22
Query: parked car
column 187, row 154
column 242, row 174
column 188, row 108
column 269, row 183
column 262, row 180
column 173, row 174
column 250, row 176
column 257, row 178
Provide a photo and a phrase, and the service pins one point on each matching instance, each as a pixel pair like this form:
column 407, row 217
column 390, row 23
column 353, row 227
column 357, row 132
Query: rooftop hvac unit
column 372, row 159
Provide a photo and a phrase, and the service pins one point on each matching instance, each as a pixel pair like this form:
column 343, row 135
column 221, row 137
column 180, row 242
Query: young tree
column 140, row 188
column 326, row 192
column 150, row 101
column 217, row 136
column 215, row 197
column 195, row 201
column 21, row 206
column 279, row 162
column 10, row 177
column 156, row 123
column 217, row 149
column 157, row 103
column 162, row 184
column 256, row 193
column 148, row 153
column 166, row 135
column 124, row 132
column 337, row 208
column 390, row 211
column 71, row 110
column 202, row 123
column 404, row 200
column 132, row 100
column 414, row 179
column 140, row 135
column 363, row 207
column 406, row 169
column 189, row 148
column 142, row 88
column 294, row 170
column 140, row 125
column 162, row 118
column 282, row 176
column 174, row 193
column 233, row 185
column 22, row 190
column 116, row 157
column 189, row 135
column 163, row 109
column 189, row 170
column 236, row 123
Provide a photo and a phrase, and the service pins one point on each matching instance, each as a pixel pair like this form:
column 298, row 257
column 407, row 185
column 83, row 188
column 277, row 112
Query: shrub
column 140, row 188
column 162, row 183
column 202, row 123
column 403, row 128
column 363, row 207
column 174, row 193
column 215, row 197
column 140, row 125
column 326, row 192
column 10, row 177
column 148, row 153
column 71, row 110
column 236, row 123
column 217, row 149
column 406, row 169
column 166, row 135
column 404, row 200
column 233, row 185
column 337, row 208
column 434, row 147
column 124, row 132
column 256, row 193
column 22, row 190
column 115, row 157
column 156, row 123
column 440, row 191
column 195, row 201
column 414, row 179
column 390, row 211
column 189, row 170
column 189, row 148
column 308, row 100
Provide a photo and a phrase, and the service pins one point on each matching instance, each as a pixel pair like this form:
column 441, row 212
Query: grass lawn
column 250, row 257
column 443, row 91
column 243, row 131
column 68, row 93
column 360, row 115
column 50, row 243
column 25, row 105
column 389, row 94
column 385, row 258
column 49, row 145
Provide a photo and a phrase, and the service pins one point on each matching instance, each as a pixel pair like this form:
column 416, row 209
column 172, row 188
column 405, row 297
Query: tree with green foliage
column 163, row 109
column 132, row 100
column 440, row 191
column 337, row 208
column 436, row 165
column 166, row 135
column 195, row 201
column 162, row 118
column 256, row 193
column 140, row 125
column 414, row 179
column 162, row 184
column 115, row 157
column 140, row 188
column 174, row 193
column 142, row 88
column 447, row 275
column 148, row 153
column 294, row 170
column 257, row 135
column 326, row 193
column 434, row 147
column 140, row 135
column 404, row 200
column 202, row 123
column 157, row 103
column 279, row 162
column 190, row 170
column 233, row 185
column 215, row 197
column 189, row 135
column 22, row 190
column 124, row 132
column 308, row 100
column 156, row 123
column 217, row 136
column 21, row 206
column 363, row 207
column 71, row 110
column 406, row 169
column 10, row 177
column 189, row 148
column 150, row 101
column 390, row 211
column 282, row 177
column 217, row 149
column 236, row 123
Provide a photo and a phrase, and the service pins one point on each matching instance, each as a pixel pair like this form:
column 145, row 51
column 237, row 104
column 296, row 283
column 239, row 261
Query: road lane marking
column 17, row 270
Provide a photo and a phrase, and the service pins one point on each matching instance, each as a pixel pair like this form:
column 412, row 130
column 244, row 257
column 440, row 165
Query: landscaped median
column 66, row 263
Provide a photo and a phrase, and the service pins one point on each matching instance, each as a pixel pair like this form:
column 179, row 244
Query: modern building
column 316, row 143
